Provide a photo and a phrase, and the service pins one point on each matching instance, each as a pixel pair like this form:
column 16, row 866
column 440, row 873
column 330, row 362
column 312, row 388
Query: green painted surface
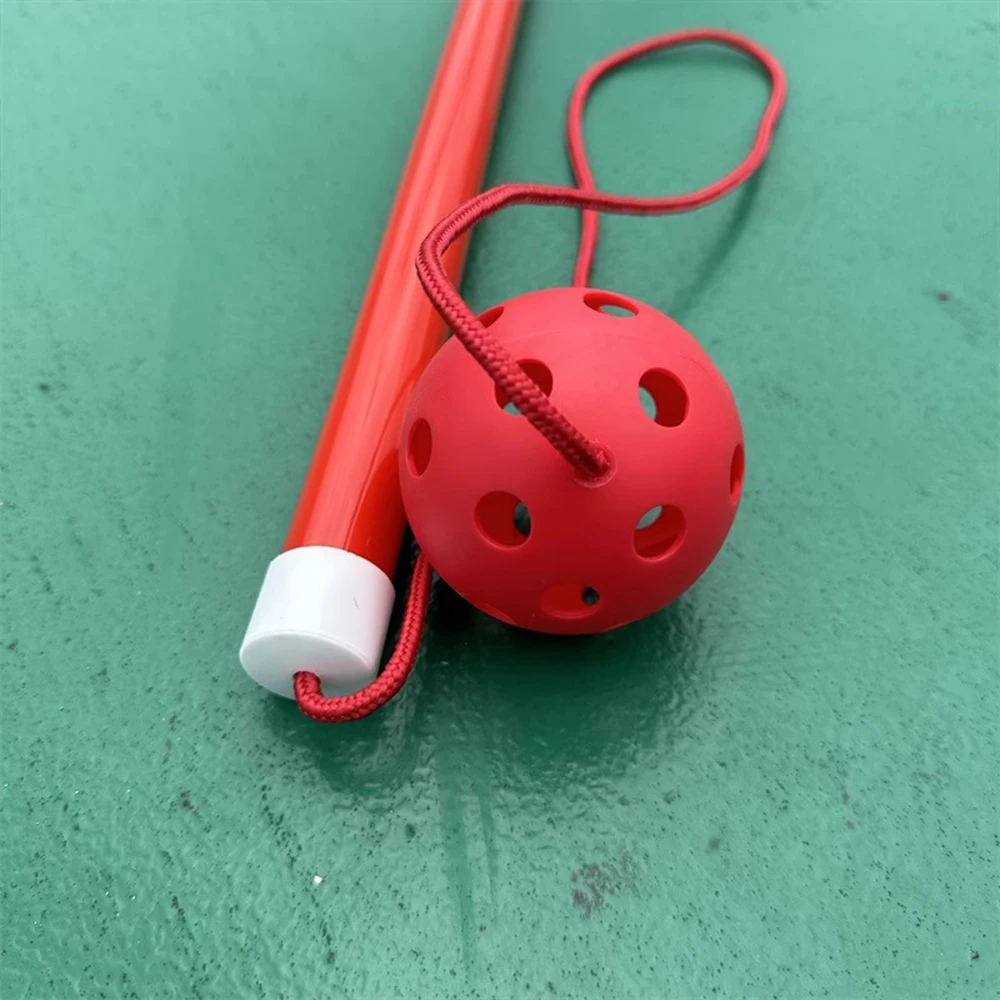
column 786, row 785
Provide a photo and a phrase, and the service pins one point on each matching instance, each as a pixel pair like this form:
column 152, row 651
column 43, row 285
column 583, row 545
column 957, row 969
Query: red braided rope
column 566, row 438
column 347, row 708
column 571, row 443
column 578, row 153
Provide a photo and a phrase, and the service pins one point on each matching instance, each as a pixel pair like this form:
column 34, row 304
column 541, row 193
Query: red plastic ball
column 505, row 519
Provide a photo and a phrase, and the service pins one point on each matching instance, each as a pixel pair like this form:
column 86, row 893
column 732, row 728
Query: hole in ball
column 736, row 470
column 610, row 305
column 522, row 519
column 418, row 450
column 493, row 612
column 503, row 519
column 663, row 398
column 659, row 532
column 538, row 373
column 647, row 402
column 649, row 517
column 491, row 315
column 569, row 600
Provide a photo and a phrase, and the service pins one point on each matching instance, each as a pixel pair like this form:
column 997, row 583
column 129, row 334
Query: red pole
column 326, row 599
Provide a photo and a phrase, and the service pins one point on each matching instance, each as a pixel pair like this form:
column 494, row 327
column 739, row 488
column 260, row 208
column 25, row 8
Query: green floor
column 784, row 786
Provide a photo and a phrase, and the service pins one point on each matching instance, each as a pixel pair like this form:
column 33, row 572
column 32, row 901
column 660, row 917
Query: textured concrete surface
column 786, row 785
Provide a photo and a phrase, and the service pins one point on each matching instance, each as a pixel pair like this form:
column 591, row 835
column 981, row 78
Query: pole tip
column 323, row 610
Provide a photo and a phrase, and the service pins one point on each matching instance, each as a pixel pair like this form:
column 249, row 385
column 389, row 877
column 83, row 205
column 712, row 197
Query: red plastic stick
column 351, row 496
column 325, row 602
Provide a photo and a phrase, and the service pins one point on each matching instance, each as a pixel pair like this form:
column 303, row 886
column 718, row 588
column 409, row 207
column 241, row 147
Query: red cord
column 578, row 153
column 499, row 364
column 483, row 346
column 347, row 708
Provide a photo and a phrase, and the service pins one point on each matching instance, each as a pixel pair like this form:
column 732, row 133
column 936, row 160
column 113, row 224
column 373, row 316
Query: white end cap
column 323, row 610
